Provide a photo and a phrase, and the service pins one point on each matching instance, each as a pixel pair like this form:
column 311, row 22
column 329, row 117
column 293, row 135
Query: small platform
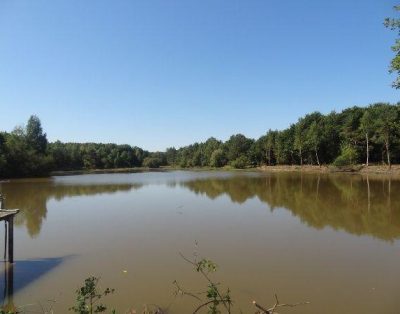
column 7, row 213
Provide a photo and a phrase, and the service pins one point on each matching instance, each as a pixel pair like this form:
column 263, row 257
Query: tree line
column 26, row 152
column 354, row 136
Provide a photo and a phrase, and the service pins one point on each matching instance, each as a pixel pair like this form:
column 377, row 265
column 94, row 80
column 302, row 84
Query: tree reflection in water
column 31, row 197
column 354, row 203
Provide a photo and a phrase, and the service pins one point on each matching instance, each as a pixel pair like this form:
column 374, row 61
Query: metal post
column 11, row 239
column 2, row 206
column 2, row 201
column 8, row 300
column 9, row 278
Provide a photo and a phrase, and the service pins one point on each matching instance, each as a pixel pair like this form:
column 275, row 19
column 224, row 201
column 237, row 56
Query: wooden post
column 11, row 239
column 9, row 281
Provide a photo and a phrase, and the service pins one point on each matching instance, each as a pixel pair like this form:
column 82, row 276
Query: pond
column 333, row 240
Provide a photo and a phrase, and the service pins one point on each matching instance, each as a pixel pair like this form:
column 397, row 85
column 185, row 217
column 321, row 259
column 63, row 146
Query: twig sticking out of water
column 263, row 310
column 214, row 297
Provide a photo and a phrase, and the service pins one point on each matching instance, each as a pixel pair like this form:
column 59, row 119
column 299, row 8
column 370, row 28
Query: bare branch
column 183, row 292
column 276, row 305
column 260, row 307
column 205, row 304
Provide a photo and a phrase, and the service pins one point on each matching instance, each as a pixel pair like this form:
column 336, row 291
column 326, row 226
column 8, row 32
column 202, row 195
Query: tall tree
column 314, row 139
column 35, row 137
column 284, row 145
column 387, row 126
column 210, row 146
column 350, row 125
column 218, row 158
column 367, row 128
column 238, row 145
column 269, row 145
column 330, row 147
column 299, row 138
column 3, row 156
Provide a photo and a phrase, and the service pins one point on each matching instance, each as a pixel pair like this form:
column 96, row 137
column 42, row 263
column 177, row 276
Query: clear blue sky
column 161, row 73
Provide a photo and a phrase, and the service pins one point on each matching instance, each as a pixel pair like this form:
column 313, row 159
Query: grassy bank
column 362, row 169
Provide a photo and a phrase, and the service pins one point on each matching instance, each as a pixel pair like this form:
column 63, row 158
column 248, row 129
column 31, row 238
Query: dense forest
column 26, row 152
column 355, row 135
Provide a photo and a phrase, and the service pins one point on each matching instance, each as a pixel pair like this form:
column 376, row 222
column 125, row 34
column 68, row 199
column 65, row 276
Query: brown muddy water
column 333, row 240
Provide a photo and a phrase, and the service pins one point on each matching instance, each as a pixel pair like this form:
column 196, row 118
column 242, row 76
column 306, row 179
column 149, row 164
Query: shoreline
column 143, row 169
column 377, row 170
column 356, row 169
column 104, row 171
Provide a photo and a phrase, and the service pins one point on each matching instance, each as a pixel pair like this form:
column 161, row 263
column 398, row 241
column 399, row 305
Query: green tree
column 238, row 145
column 35, row 136
column 88, row 296
column 218, row 158
column 270, row 145
column 240, row 163
column 152, row 162
column 350, row 125
column 299, row 138
column 285, row 145
column 3, row 156
column 314, row 139
column 210, row 146
column 22, row 159
column 330, row 147
column 367, row 129
column 347, row 157
column 394, row 24
column 257, row 152
column 60, row 155
column 171, row 155
column 387, row 127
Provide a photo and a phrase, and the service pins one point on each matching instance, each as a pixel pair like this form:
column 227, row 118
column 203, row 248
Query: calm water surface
column 332, row 240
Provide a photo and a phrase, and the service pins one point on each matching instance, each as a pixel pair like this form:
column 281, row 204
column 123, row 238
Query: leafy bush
column 240, row 163
column 87, row 297
column 152, row 162
column 218, row 158
column 347, row 157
